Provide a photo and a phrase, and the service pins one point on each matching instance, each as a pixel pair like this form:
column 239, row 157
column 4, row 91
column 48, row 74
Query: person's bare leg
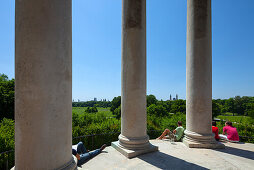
column 103, row 147
column 166, row 131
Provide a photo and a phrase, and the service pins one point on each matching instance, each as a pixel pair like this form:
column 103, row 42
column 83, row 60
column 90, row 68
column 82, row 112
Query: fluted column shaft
column 43, row 84
column 199, row 72
column 133, row 110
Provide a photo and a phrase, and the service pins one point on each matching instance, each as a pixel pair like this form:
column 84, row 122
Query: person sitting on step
column 229, row 133
column 176, row 135
column 215, row 130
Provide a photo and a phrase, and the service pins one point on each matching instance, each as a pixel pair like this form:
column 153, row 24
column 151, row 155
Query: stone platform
column 175, row 155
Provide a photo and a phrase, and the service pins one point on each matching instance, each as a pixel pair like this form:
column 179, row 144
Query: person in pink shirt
column 230, row 133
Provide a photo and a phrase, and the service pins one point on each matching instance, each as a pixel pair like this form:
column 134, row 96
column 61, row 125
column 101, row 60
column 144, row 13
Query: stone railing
column 6, row 159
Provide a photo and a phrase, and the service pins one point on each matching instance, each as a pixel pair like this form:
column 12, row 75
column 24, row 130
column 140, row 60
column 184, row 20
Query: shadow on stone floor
column 224, row 142
column 237, row 152
column 164, row 161
column 81, row 166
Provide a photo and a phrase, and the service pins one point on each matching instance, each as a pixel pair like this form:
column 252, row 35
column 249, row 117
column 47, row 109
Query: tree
column 75, row 119
column 229, row 104
column 238, row 105
column 117, row 112
column 157, row 110
column 104, row 104
column 165, row 104
column 6, row 134
column 246, row 101
column 6, row 97
column 91, row 109
column 250, row 110
column 116, row 102
column 178, row 106
column 150, row 99
column 116, row 107
column 215, row 109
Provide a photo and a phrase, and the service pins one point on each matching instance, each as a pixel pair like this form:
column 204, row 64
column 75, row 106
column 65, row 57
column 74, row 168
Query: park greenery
column 102, row 103
column 6, row 97
column 103, row 118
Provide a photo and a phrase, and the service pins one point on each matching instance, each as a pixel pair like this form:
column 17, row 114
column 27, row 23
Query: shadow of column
column 164, row 161
column 237, row 152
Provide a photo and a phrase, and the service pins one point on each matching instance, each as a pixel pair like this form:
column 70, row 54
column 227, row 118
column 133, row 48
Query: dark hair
column 179, row 123
column 228, row 123
column 213, row 123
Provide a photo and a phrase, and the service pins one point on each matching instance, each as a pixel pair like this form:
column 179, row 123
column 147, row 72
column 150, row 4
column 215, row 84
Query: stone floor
column 175, row 155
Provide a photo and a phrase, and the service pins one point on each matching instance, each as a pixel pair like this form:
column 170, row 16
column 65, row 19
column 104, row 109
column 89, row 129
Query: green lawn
column 245, row 120
column 80, row 110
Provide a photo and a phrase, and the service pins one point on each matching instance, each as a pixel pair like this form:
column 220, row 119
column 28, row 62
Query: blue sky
column 97, row 47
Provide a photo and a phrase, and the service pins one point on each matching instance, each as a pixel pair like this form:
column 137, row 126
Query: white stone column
column 43, row 84
column 198, row 131
column 133, row 139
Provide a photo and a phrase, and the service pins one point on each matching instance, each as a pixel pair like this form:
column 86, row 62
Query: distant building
column 176, row 98
column 95, row 99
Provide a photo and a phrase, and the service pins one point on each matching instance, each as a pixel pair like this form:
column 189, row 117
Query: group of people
column 229, row 133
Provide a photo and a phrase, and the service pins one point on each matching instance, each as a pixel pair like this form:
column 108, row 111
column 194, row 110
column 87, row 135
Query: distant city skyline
column 96, row 48
column 78, row 100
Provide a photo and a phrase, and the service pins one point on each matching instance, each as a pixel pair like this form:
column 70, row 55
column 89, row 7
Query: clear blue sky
column 97, row 47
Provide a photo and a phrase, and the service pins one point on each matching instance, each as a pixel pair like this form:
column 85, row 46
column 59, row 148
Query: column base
column 130, row 153
column 195, row 140
column 216, row 145
column 71, row 165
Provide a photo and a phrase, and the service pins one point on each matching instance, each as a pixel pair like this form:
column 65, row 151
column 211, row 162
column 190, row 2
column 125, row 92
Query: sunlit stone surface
column 176, row 155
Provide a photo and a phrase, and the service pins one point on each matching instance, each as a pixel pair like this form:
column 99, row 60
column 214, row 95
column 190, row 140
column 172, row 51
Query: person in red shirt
column 215, row 130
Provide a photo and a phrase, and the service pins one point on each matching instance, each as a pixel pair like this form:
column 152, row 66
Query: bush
column 178, row 106
column 117, row 112
column 91, row 110
column 97, row 123
column 157, row 110
column 6, row 135
column 116, row 102
column 6, row 97
column 150, row 99
column 6, row 142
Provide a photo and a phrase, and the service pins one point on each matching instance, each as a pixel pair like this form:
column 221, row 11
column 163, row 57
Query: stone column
column 198, row 131
column 43, row 84
column 133, row 139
